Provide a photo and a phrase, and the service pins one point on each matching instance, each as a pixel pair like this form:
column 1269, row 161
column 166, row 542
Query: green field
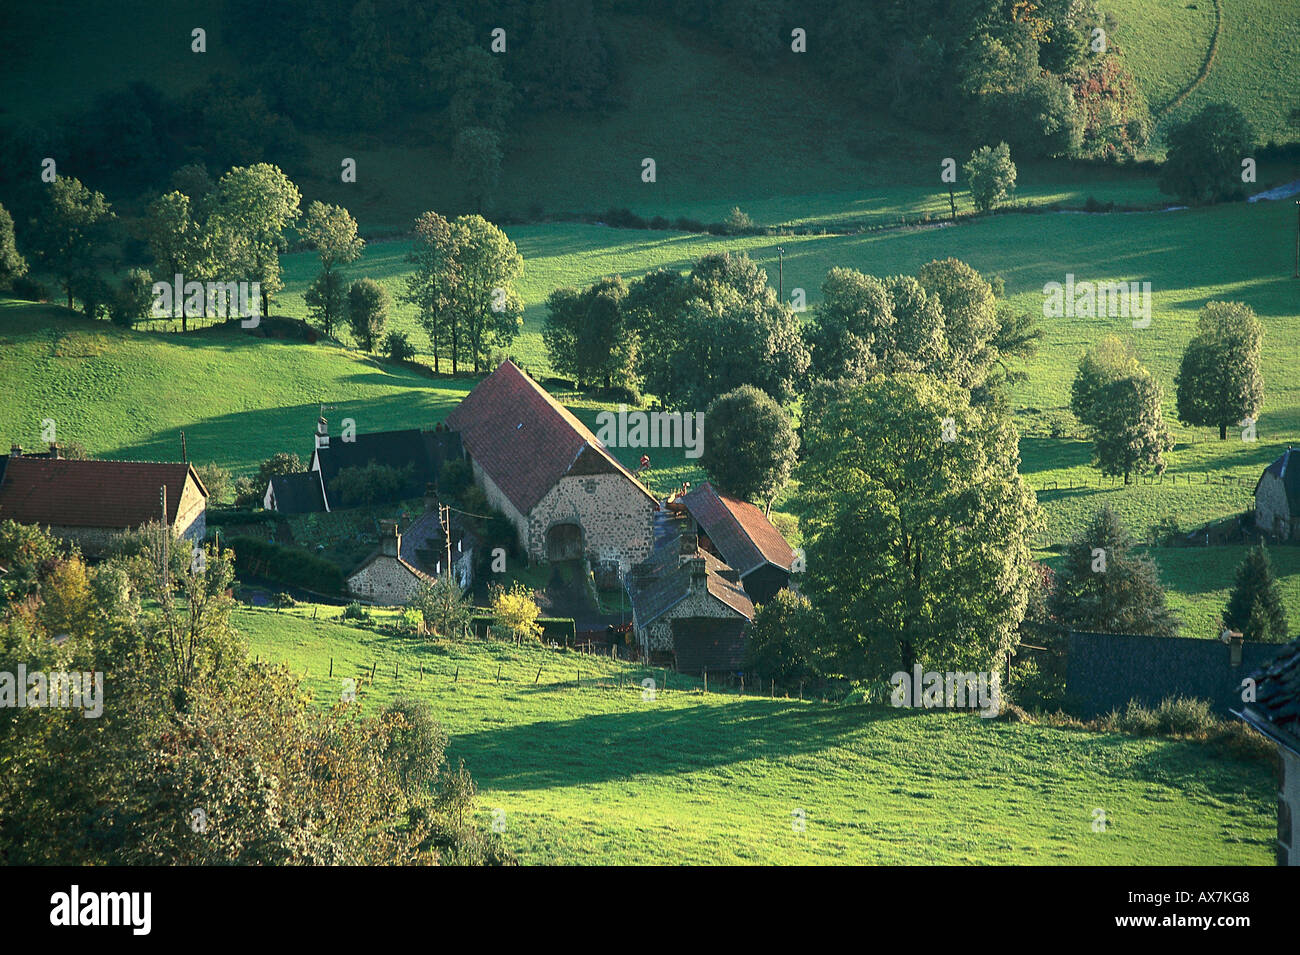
column 594, row 772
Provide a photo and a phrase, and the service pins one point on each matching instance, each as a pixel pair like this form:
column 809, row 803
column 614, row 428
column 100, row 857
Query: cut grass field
column 597, row 773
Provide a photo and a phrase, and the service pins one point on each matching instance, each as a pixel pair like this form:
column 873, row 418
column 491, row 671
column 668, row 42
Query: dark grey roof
column 1276, row 710
column 298, row 493
column 654, row 595
column 424, row 451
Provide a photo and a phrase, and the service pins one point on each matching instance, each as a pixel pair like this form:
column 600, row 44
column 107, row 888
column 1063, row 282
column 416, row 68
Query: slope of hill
column 602, row 771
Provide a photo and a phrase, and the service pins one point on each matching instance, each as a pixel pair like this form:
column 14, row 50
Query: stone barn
column 1277, row 498
column 566, row 495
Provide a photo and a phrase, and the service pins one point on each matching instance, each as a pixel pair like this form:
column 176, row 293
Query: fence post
column 538, row 677
column 331, row 666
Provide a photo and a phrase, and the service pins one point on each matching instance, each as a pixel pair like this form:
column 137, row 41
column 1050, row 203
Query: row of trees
column 1219, row 384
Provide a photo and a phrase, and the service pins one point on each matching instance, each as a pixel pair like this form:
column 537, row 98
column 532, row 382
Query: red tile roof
column 739, row 530
column 63, row 493
column 522, row 437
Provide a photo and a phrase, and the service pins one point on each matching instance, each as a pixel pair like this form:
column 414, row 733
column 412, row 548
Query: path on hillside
column 1210, row 55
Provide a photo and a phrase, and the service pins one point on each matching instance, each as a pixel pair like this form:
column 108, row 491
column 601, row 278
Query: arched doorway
column 564, row 542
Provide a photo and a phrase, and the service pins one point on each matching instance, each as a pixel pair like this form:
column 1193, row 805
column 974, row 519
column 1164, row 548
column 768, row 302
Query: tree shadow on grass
column 656, row 741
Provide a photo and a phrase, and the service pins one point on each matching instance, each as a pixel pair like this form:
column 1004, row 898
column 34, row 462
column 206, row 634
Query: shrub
column 1175, row 716
column 286, row 565
column 410, row 620
column 454, row 479
column 354, row 611
column 370, row 484
column 398, row 347
column 132, row 298
column 738, row 222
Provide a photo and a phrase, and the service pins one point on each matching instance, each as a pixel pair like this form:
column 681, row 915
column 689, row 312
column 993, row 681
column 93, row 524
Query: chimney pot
column 16, row 450
column 54, row 450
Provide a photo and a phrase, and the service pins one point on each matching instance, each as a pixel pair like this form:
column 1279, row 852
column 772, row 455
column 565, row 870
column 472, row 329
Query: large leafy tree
column 68, row 234
column 991, row 174
column 787, row 641
column 750, row 445
column 917, row 525
column 477, row 152
column 1255, row 605
column 588, row 336
column 431, row 286
column 1219, row 381
column 250, row 208
column 332, row 232
column 1203, row 160
column 484, row 300
column 177, row 243
column 1104, row 585
column 1119, row 403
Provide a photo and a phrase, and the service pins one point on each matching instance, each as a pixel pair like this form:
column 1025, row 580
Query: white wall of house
column 1272, row 513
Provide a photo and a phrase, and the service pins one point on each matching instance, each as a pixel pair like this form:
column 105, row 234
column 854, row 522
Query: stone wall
column 386, row 581
column 616, row 518
column 502, row 503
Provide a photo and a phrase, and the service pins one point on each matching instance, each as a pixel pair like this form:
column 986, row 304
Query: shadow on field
column 660, row 742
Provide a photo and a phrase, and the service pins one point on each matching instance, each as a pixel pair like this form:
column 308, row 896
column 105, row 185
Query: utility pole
column 166, row 566
column 780, row 272
column 444, row 515
column 1297, row 239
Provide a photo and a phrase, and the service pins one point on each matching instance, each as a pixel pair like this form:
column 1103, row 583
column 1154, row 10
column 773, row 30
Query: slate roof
column 425, row 534
column 424, row 451
column 298, row 493
column 1276, row 710
column 1287, row 469
column 740, row 531
column 526, row 440
column 713, row 644
column 109, row 494
column 653, row 596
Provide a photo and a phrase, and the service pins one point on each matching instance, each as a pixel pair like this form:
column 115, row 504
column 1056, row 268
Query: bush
column 354, row 611
column 30, row 290
column 132, row 299
column 454, row 479
column 1175, row 716
column 286, row 565
column 398, row 347
column 738, row 222
column 372, row 484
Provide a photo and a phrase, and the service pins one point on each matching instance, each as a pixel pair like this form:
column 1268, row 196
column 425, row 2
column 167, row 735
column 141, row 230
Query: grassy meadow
column 595, row 772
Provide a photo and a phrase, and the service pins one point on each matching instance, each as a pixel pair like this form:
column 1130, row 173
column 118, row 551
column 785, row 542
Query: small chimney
column 390, row 539
column 55, row 453
column 699, row 575
column 1234, row 640
column 16, row 451
column 322, row 433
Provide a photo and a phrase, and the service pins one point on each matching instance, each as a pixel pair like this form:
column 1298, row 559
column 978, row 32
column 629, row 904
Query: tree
column 368, row 304
column 1203, row 159
column 1255, row 605
column 852, row 326
column 484, row 300
column 992, row 176
column 282, row 462
column 132, row 298
column 751, row 447
column 1219, row 381
column 69, row 231
column 1104, row 586
column 588, row 337
column 1106, row 362
column 786, row 640
column 516, row 611
column 332, row 232
column 177, row 243
column 917, row 525
column 12, row 264
column 443, row 605
column 477, row 153
column 432, row 285
column 251, row 207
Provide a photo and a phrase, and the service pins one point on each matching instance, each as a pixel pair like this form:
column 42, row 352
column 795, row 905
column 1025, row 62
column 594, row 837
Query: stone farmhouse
column 1277, row 498
column 742, row 536
column 567, row 496
column 91, row 501
column 1275, row 713
column 404, row 560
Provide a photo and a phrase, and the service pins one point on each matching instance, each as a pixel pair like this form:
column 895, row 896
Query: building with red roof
column 91, row 501
column 567, row 496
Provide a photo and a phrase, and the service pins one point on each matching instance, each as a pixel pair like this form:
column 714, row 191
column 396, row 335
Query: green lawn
column 596, row 773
